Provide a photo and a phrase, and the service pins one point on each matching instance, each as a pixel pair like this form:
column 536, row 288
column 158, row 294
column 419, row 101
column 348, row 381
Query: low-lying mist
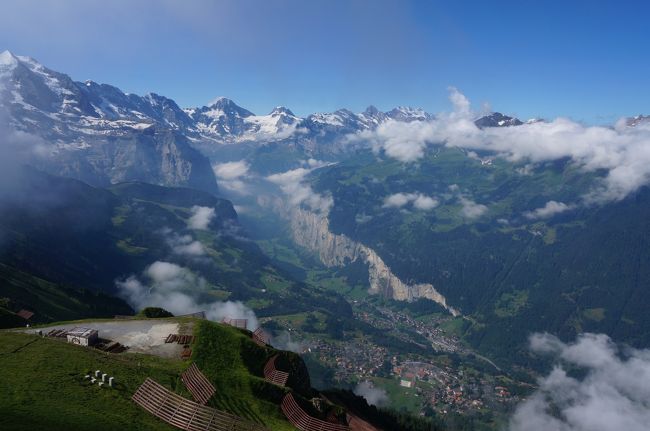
column 613, row 392
column 180, row 291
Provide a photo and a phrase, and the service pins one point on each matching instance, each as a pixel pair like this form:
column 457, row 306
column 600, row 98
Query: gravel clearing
column 141, row 336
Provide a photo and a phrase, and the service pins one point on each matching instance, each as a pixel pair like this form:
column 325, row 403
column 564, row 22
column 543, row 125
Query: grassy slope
column 42, row 386
column 53, row 302
column 234, row 363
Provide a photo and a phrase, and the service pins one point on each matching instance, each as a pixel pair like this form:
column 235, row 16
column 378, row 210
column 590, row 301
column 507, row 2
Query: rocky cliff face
column 311, row 230
column 97, row 133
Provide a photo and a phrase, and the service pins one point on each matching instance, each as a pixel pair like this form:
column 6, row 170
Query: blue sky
column 588, row 60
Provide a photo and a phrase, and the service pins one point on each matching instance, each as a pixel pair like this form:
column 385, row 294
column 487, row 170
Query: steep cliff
column 311, row 230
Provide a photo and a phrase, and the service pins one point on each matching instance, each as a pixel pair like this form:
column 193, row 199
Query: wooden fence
column 198, row 385
column 301, row 420
column 271, row 374
column 186, row 414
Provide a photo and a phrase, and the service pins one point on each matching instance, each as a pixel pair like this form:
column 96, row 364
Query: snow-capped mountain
column 101, row 135
column 225, row 122
column 408, row 114
column 97, row 133
column 638, row 120
column 497, row 119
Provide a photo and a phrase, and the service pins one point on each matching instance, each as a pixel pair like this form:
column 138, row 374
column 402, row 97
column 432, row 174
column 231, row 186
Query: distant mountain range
column 101, row 135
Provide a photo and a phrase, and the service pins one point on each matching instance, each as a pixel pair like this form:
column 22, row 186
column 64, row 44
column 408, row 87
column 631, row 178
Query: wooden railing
column 271, row 374
column 186, row 414
column 301, row 420
column 180, row 339
column 198, row 385
column 260, row 337
column 237, row 323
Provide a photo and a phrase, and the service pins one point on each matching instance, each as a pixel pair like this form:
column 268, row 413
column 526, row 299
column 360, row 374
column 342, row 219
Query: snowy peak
column 408, row 114
column 8, row 60
column 638, row 120
column 281, row 110
column 223, row 120
column 371, row 111
column 497, row 119
column 227, row 107
column 373, row 116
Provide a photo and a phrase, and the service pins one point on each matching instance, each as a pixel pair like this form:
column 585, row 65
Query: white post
column 110, row 381
column 104, row 377
column 97, row 373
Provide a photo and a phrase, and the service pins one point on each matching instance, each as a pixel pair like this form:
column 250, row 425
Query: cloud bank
column 547, row 211
column 231, row 175
column 470, row 209
column 299, row 192
column 184, row 245
column 16, row 150
column 200, row 218
column 613, row 394
column 284, row 341
column 179, row 290
column 231, row 170
column 374, row 396
column 621, row 152
column 419, row 201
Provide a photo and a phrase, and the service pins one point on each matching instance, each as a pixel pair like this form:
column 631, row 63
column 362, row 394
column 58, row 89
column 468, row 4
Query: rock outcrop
column 311, row 230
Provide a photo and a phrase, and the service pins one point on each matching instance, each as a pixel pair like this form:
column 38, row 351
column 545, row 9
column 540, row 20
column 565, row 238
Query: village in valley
column 453, row 380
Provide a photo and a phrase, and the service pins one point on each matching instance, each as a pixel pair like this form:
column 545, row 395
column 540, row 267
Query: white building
column 82, row 336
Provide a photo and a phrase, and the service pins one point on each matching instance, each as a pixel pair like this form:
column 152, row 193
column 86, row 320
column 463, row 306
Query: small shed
column 83, row 336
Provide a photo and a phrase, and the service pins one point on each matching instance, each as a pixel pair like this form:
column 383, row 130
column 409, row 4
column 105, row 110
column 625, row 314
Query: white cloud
column 459, row 101
column 185, row 245
column 284, row 341
column 314, row 163
column 622, row 152
column 397, row 200
column 425, row 203
column 471, row 209
column 217, row 311
column 419, row 201
column 17, row 148
column 179, row 290
column 231, row 175
column 549, row 210
column 237, row 186
column 613, row 393
column 200, row 218
column 405, row 142
column 362, row 218
column 298, row 192
column 231, row 170
column 374, row 396
column 289, row 177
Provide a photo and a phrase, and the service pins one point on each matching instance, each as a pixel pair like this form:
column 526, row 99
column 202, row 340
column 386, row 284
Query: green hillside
column 66, row 233
column 34, row 368
column 42, row 383
column 577, row 271
column 51, row 302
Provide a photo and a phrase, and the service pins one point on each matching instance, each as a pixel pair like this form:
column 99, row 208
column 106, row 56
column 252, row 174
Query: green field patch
column 511, row 303
column 126, row 246
column 594, row 314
